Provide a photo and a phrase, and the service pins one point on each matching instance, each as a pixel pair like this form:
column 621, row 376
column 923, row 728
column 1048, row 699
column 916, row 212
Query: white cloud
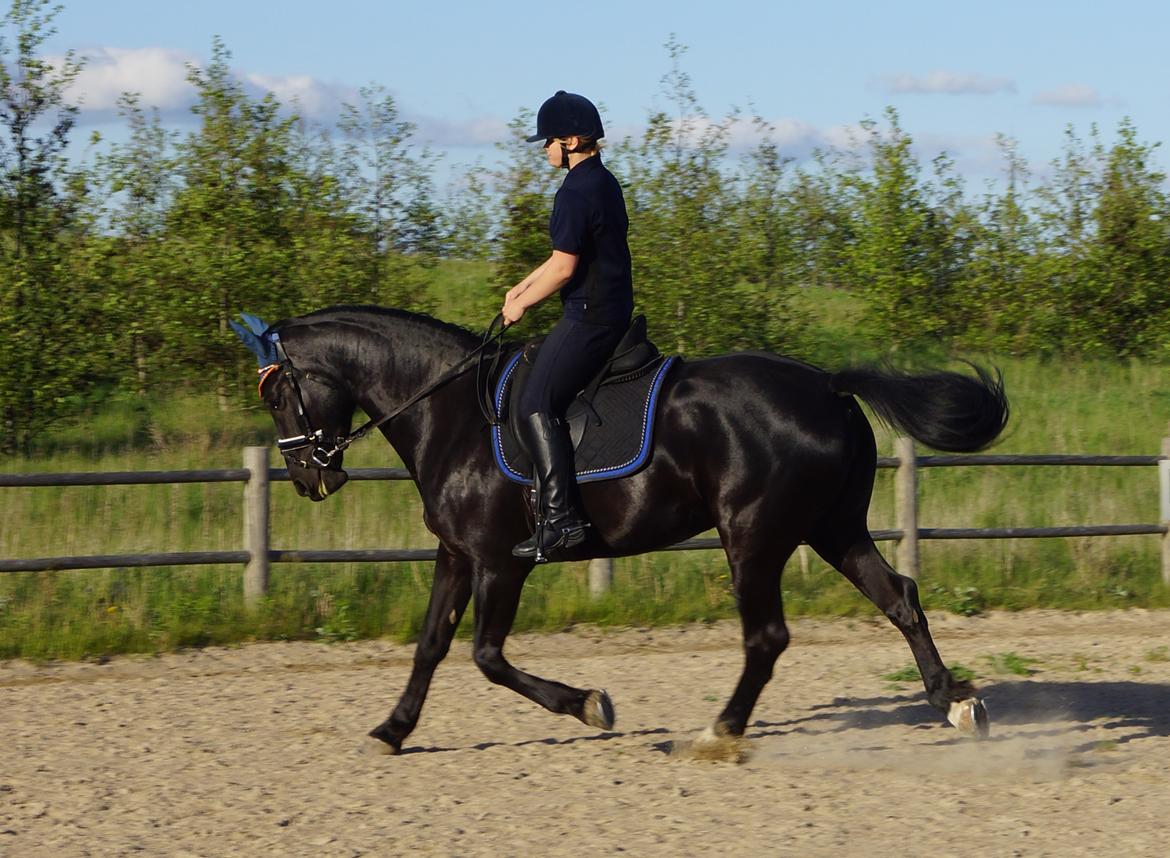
column 795, row 138
column 974, row 155
column 314, row 99
column 159, row 75
column 1069, row 95
column 946, row 83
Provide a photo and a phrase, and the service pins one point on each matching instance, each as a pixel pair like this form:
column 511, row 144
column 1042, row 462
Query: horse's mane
column 376, row 316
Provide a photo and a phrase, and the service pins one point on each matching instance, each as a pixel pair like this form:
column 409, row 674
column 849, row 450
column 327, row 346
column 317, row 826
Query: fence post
column 256, row 525
column 600, row 576
column 906, row 507
column 1164, row 505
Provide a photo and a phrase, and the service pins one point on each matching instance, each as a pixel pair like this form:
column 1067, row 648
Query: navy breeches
column 570, row 356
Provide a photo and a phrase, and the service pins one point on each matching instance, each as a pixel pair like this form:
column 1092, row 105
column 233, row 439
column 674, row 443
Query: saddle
column 611, row 421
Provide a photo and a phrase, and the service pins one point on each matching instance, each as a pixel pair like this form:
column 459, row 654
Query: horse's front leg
column 497, row 594
column 450, row 593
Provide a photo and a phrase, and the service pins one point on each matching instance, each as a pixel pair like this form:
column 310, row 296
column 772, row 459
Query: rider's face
column 553, row 151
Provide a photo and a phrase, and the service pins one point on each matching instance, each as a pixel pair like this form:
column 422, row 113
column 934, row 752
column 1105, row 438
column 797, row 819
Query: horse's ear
column 262, row 347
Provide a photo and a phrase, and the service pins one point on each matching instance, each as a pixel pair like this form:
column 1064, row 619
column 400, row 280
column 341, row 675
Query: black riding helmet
column 567, row 114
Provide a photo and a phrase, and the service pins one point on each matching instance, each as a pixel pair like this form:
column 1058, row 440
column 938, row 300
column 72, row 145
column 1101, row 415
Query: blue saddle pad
column 611, row 439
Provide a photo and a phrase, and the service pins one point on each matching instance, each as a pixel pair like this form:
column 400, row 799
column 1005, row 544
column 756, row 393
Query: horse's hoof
column 380, row 741
column 970, row 717
column 714, row 744
column 598, row 710
column 372, row 747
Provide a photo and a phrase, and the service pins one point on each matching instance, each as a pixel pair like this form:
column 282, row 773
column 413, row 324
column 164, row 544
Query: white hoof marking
column 709, row 737
column 713, row 745
column 598, row 710
column 970, row 717
column 372, row 747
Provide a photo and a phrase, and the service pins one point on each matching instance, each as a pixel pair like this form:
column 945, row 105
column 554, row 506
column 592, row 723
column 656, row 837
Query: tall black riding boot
column 558, row 524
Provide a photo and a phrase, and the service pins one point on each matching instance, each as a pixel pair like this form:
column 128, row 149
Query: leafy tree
column 468, row 221
column 681, row 207
column 228, row 237
column 1121, row 301
column 822, row 224
column 393, row 193
column 951, row 234
column 331, row 256
column 1104, row 255
column 43, row 356
column 421, row 234
column 1005, row 303
column 889, row 258
column 140, row 177
column 766, row 238
column 1063, row 208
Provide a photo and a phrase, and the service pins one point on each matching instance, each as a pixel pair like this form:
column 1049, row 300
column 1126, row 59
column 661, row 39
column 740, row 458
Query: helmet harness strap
column 566, row 151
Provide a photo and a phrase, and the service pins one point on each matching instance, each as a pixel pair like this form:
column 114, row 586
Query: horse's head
column 312, row 412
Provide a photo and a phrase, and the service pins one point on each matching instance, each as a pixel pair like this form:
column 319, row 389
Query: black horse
column 767, row 450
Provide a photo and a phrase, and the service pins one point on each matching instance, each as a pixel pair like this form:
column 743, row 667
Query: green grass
column 1013, row 663
column 462, row 293
column 1065, row 406
column 910, row 673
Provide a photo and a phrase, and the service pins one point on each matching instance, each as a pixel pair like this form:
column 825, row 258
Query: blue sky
column 958, row 73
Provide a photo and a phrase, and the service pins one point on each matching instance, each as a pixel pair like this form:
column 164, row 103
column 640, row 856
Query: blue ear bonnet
column 259, row 340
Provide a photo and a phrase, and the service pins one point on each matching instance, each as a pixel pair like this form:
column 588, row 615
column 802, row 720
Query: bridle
column 322, row 449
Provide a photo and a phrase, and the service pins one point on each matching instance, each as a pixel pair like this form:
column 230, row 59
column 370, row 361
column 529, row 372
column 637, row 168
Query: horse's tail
column 944, row 410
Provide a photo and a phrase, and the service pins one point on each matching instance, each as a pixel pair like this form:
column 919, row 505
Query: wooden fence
column 257, row 555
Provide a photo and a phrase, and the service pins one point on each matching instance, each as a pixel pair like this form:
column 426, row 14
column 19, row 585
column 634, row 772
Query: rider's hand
column 513, row 311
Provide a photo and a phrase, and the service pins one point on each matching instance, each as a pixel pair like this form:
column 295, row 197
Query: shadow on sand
column 1132, row 710
column 483, row 746
column 1136, row 710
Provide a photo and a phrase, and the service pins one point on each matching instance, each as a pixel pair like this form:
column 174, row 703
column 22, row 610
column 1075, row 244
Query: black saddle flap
column 610, row 421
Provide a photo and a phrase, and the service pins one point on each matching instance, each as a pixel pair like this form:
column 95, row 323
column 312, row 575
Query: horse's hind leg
column 497, row 595
column 756, row 582
column 859, row 560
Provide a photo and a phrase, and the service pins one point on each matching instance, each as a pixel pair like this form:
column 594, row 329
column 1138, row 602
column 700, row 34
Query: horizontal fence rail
column 257, row 554
column 1022, row 459
column 146, row 478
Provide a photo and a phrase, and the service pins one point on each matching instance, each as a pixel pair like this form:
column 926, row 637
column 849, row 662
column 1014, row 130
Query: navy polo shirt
column 589, row 220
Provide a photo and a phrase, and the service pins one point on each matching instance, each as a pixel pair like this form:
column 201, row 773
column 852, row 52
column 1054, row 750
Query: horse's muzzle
column 318, row 483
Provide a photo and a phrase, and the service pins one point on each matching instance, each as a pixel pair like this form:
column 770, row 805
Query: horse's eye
column 275, row 403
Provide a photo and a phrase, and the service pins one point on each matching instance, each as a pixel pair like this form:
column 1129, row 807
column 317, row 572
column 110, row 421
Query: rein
column 324, row 449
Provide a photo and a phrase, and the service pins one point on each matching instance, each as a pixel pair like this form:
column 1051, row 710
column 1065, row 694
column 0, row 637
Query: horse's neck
column 383, row 356
column 389, row 361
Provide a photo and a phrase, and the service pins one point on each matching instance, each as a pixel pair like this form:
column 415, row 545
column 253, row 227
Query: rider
column 590, row 267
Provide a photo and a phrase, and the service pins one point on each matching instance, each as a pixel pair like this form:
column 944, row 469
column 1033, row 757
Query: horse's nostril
column 302, row 489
